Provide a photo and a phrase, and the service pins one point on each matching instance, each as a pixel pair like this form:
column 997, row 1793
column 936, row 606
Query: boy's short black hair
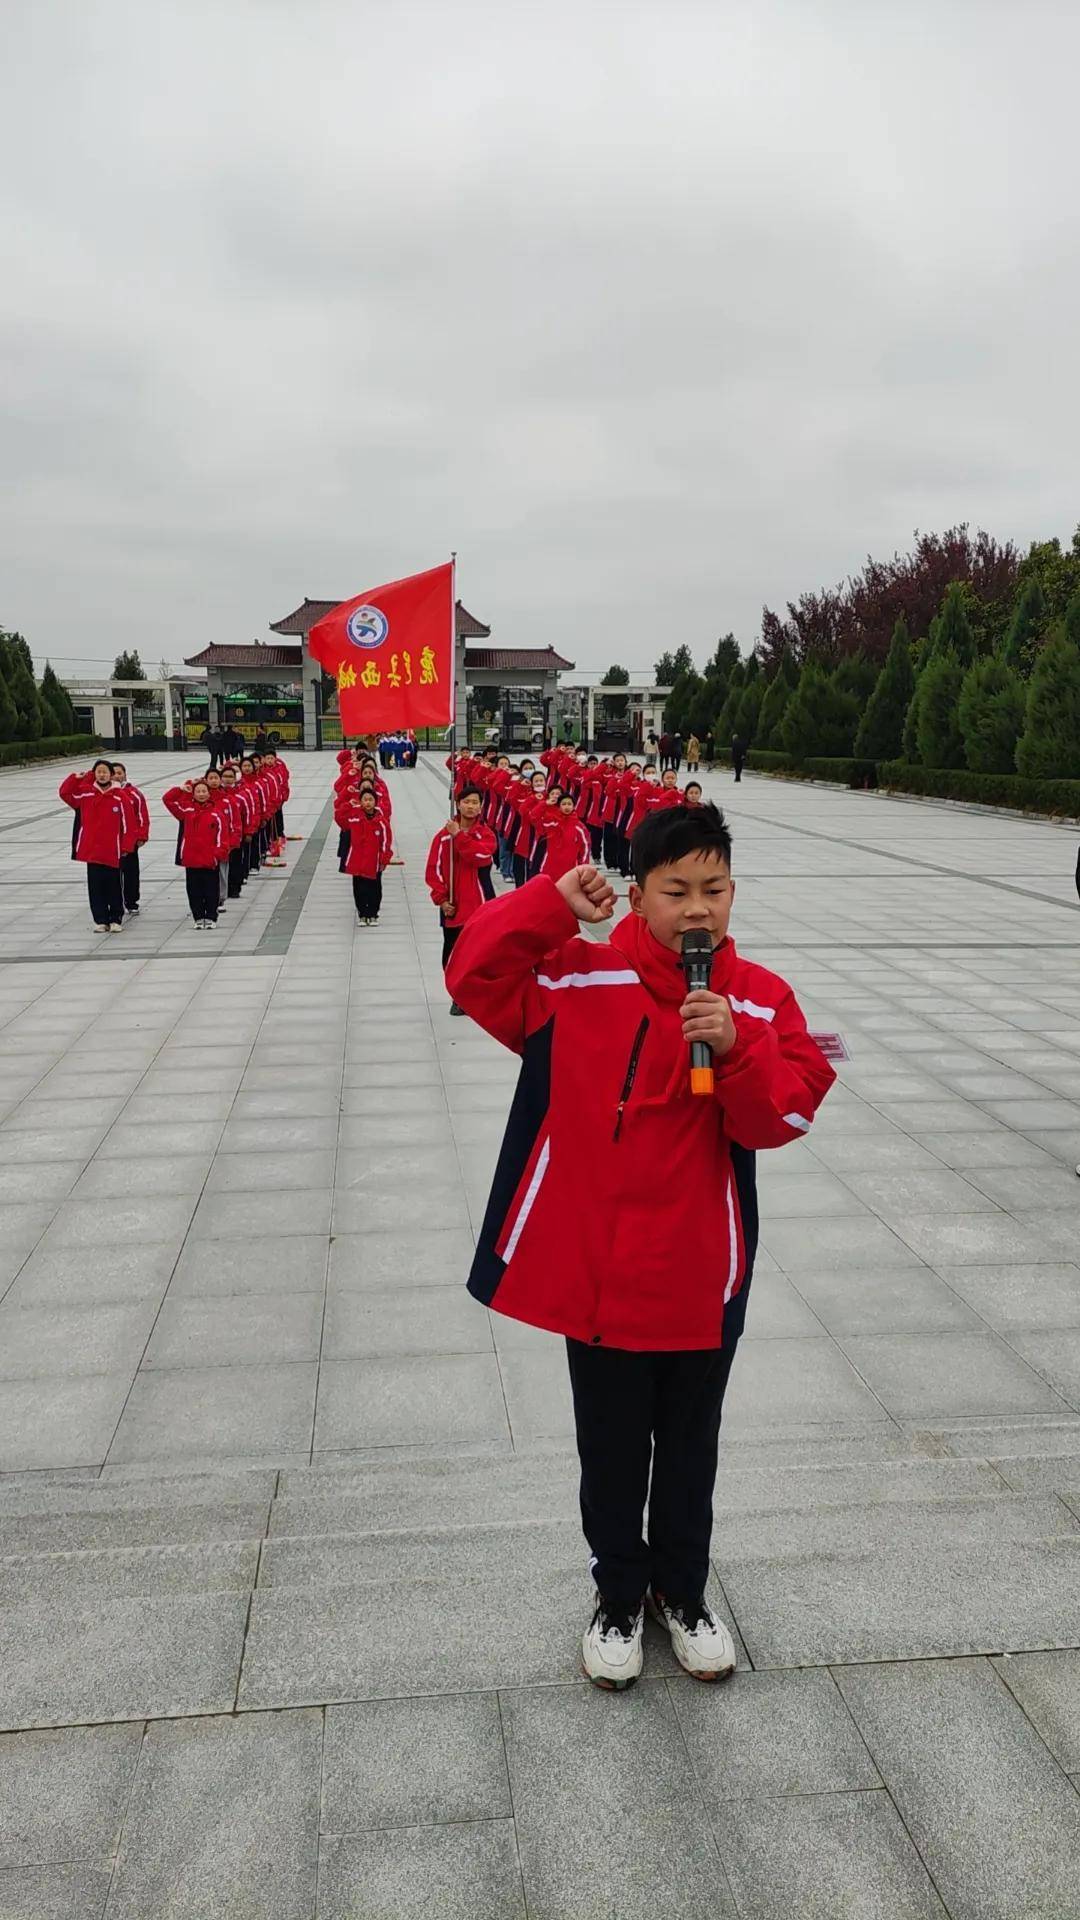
column 469, row 792
column 672, row 832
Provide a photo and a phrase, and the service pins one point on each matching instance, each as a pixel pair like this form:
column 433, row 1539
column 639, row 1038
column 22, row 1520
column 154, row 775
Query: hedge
column 764, row 761
column 17, row 752
column 845, row 772
column 989, row 789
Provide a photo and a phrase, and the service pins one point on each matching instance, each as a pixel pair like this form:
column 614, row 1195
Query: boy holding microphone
column 604, row 1032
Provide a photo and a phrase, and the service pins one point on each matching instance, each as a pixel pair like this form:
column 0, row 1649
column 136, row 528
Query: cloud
column 654, row 312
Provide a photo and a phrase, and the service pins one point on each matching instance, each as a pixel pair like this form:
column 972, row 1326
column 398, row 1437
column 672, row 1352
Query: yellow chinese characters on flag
column 391, row 651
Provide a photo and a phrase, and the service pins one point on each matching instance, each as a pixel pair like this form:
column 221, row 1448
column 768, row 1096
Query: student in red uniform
column 611, row 788
column 98, row 841
column 368, row 852
column 460, row 854
column 653, row 796
column 692, row 794
column 200, row 847
column 649, row 1289
column 565, row 836
column 280, row 774
column 249, row 781
column 136, row 834
column 234, row 865
column 527, row 802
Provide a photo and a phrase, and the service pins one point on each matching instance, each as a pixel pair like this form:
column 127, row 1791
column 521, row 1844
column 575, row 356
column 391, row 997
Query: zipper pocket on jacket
column 631, row 1069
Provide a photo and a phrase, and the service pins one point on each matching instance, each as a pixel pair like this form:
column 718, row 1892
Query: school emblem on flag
column 367, row 627
column 404, row 632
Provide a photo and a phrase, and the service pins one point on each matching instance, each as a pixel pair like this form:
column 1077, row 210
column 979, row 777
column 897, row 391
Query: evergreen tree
column 751, row 668
column 991, row 712
column 671, row 665
column 1049, row 747
column 748, row 709
column 7, row 711
column 954, row 629
column 726, row 658
column 1072, row 620
column 819, row 719
column 909, row 740
column 777, row 694
column 1024, row 628
column 857, row 675
column 881, row 730
column 24, row 693
column 726, row 720
column 938, row 730
column 18, row 653
column 683, row 693
column 57, row 712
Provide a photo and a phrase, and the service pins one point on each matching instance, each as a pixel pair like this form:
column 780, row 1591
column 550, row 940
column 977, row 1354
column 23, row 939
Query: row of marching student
column 230, row 821
column 575, row 807
column 363, row 813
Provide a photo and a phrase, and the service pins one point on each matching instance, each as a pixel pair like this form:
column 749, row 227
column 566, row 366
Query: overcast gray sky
column 653, row 310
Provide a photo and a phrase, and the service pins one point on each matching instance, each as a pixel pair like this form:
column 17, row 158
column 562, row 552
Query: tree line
column 960, row 654
column 30, row 709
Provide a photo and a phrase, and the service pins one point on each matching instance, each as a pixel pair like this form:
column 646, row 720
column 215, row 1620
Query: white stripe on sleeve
column 797, row 1120
column 751, row 1007
column 598, row 979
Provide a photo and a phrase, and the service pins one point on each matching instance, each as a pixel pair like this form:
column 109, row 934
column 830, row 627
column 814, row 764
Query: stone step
column 210, row 1567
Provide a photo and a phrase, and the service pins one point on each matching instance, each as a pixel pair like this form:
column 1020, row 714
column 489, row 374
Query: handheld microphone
column 697, row 959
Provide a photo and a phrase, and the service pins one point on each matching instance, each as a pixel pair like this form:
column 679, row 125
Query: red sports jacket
column 136, row 818
column 202, row 840
column 473, row 849
column 99, row 834
column 369, row 843
column 651, row 798
column 566, row 843
column 604, row 1084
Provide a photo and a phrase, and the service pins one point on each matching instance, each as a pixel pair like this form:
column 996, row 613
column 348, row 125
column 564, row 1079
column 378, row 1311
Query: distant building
column 160, row 711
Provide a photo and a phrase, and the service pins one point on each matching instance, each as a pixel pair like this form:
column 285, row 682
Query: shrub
column 1049, row 747
column 881, row 730
column 1023, row 629
column 15, row 753
column 991, row 715
column 767, row 762
column 989, row 789
column 845, row 771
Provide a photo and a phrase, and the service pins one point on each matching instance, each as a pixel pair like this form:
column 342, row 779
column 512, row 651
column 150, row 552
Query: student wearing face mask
column 98, row 841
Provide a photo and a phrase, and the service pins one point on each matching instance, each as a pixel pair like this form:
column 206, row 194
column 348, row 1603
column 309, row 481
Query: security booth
column 510, row 695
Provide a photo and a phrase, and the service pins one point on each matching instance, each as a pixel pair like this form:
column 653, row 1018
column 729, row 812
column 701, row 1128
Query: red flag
column 391, row 652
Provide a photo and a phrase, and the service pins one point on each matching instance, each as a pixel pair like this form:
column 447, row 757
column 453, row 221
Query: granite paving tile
column 37, row 1341
column 817, row 1244
column 59, row 1421
column 407, row 1399
column 920, row 1375
column 293, row 1263
column 1022, row 1298
column 777, row 1733
column 195, row 1412
column 662, row 1860
column 395, row 1321
column 205, row 1567
column 246, row 1329
column 464, row 1872
column 993, row 1816
column 1047, row 1687
column 836, row 1856
column 852, row 1300
column 120, row 1658
column 63, row 1793
column 55, row 1893
column 224, row 1216
column 403, row 1763
column 223, row 1817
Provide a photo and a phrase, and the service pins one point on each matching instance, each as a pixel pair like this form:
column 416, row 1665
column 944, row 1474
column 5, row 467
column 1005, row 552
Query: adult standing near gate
column 693, row 753
column 738, row 754
column 676, row 751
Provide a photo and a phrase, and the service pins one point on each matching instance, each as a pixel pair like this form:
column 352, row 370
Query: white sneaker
column 115, row 927
column 611, row 1653
column 701, row 1643
column 101, row 926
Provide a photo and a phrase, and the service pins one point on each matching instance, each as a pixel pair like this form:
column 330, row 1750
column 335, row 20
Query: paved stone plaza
column 291, row 1578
